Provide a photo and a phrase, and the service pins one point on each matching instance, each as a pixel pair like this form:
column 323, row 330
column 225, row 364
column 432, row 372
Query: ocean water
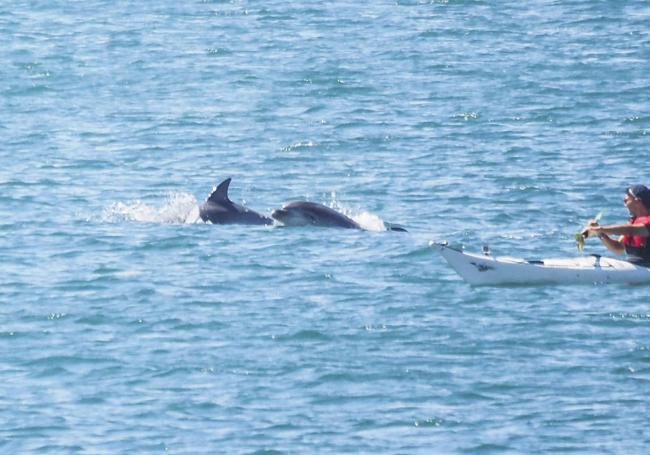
column 129, row 326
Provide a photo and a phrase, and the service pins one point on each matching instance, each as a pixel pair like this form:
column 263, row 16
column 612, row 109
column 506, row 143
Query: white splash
column 368, row 221
column 178, row 208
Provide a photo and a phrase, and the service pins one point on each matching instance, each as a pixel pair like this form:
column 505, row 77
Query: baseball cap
column 640, row 192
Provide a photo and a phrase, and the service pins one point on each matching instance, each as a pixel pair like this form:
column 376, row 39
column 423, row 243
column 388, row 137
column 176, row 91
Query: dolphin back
column 338, row 219
column 321, row 215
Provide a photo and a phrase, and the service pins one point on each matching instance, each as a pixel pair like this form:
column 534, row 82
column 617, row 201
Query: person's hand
column 592, row 228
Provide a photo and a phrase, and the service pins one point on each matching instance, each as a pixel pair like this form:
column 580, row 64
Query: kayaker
column 633, row 237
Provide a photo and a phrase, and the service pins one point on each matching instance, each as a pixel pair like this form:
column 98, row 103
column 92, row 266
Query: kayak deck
column 485, row 270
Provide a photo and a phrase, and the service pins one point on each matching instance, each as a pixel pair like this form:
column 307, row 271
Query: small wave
column 299, row 146
column 466, row 116
column 178, row 208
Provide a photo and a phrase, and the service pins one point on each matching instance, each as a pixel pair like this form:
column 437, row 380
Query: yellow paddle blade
column 580, row 238
column 599, row 216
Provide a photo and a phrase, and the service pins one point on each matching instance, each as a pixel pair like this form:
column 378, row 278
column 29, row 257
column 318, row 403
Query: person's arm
column 620, row 229
column 613, row 245
column 616, row 245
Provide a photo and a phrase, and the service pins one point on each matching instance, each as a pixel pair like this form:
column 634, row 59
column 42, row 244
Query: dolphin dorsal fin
column 220, row 193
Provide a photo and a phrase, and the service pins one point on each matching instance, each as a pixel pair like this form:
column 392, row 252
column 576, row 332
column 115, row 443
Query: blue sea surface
column 127, row 325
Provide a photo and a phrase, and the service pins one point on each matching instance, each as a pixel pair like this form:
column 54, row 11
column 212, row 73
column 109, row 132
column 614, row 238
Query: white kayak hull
column 482, row 270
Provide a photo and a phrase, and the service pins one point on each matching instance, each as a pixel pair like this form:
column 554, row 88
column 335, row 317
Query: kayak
column 486, row 270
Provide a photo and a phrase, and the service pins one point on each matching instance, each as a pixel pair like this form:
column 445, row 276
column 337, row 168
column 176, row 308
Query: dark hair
column 640, row 192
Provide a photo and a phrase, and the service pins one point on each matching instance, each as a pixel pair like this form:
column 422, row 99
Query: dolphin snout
column 278, row 214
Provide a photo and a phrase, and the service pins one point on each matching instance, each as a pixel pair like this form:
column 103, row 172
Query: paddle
column 582, row 235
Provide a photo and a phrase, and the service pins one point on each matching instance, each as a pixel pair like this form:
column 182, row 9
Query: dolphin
column 219, row 209
column 304, row 213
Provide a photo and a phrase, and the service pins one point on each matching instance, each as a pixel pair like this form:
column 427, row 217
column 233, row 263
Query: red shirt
column 637, row 245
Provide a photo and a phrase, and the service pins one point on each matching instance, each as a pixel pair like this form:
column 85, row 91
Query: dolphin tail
column 394, row 227
column 220, row 193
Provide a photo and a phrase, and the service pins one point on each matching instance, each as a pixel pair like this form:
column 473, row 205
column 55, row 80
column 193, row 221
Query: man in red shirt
column 633, row 237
